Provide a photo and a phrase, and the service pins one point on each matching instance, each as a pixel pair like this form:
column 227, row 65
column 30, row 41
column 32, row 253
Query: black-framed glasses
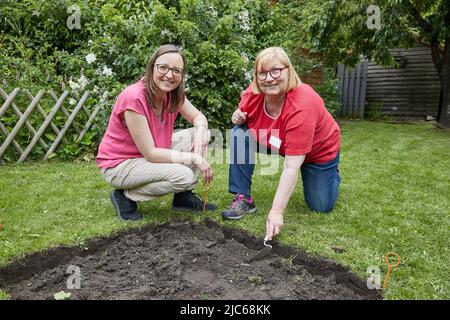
column 274, row 73
column 164, row 69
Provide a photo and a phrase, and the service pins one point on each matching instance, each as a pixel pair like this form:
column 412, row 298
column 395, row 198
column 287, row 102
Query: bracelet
column 194, row 159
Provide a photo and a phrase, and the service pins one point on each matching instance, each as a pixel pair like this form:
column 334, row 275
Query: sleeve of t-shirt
column 127, row 101
column 299, row 132
column 245, row 96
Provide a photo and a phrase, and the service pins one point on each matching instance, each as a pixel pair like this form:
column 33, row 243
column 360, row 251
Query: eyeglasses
column 274, row 73
column 164, row 69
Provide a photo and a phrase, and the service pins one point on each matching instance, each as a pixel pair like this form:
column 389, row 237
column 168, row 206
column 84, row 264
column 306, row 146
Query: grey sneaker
column 239, row 207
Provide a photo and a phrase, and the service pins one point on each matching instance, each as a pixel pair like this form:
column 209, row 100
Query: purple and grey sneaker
column 239, row 207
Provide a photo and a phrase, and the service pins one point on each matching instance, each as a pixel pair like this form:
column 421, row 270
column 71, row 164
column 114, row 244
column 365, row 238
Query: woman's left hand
column 201, row 140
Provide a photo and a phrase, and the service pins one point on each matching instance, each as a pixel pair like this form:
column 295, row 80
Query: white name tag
column 275, row 142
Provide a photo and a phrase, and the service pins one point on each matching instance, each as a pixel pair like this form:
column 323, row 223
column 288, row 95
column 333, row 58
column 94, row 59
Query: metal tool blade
column 261, row 253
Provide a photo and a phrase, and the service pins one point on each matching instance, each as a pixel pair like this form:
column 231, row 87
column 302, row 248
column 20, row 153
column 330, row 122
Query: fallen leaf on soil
column 61, row 295
column 210, row 244
column 255, row 279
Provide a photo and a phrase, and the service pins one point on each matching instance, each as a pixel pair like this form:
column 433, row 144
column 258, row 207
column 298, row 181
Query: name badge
column 275, row 142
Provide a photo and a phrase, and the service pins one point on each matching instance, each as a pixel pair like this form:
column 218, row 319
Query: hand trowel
column 262, row 253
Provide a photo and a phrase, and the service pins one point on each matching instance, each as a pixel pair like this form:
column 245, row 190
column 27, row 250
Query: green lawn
column 394, row 196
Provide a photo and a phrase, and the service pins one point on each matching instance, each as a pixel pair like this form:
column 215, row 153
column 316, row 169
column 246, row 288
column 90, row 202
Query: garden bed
column 181, row 260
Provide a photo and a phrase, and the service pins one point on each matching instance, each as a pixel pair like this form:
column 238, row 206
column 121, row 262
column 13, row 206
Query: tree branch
column 422, row 22
column 446, row 56
column 443, row 61
column 432, row 32
column 435, row 54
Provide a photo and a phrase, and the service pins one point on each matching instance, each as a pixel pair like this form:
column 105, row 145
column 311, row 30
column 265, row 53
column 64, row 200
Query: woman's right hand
column 205, row 168
column 239, row 117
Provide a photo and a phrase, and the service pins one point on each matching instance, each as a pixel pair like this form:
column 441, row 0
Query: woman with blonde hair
column 282, row 115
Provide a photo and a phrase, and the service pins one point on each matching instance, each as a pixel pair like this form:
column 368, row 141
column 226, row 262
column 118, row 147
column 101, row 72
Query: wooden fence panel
column 352, row 90
column 43, row 126
column 41, row 111
column 67, row 125
column 66, row 113
column 22, row 120
column 48, row 120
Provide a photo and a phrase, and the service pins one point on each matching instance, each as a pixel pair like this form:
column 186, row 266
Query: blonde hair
column 269, row 54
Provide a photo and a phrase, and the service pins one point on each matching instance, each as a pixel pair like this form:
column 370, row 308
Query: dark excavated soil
column 181, row 260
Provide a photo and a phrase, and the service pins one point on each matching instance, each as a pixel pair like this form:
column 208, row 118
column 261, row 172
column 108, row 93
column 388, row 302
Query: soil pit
column 180, row 260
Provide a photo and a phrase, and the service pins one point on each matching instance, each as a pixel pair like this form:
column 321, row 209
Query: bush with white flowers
column 116, row 38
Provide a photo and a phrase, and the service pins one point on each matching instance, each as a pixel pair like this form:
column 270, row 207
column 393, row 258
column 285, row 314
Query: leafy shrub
column 374, row 112
column 220, row 41
column 328, row 90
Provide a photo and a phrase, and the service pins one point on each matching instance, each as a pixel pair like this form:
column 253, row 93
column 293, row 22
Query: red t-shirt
column 304, row 125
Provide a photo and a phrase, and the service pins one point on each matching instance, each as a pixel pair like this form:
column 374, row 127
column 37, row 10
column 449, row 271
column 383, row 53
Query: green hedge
column 220, row 40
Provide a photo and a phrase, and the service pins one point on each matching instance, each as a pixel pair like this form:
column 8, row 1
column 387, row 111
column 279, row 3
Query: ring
column 392, row 254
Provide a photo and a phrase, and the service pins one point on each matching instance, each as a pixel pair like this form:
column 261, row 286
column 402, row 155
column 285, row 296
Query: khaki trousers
column 143, row 180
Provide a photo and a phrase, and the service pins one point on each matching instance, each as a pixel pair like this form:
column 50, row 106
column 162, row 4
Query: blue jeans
column 320, row 180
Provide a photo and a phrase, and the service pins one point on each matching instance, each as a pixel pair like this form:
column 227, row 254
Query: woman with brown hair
column 140, row 155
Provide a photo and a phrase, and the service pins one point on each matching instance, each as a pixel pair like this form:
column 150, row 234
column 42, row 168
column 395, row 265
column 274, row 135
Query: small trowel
column 262, row 253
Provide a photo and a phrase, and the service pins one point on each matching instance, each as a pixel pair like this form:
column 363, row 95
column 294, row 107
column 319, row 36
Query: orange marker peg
column 206, row 188
column 390, row 266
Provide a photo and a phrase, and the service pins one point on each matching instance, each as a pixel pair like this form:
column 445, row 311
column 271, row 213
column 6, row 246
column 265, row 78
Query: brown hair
column 267, row 55
column 177, row 96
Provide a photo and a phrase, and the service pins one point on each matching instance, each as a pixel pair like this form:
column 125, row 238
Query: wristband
column 194, row 159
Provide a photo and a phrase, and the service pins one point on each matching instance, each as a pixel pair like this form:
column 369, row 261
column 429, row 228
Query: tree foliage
column 339, row 30
column 220, row 40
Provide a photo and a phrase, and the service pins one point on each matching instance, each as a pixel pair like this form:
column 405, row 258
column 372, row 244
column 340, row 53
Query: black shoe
column 126, row 209
column 190, row 201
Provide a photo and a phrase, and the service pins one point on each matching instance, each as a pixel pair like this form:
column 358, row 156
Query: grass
column 3, row 295
column 394, row 196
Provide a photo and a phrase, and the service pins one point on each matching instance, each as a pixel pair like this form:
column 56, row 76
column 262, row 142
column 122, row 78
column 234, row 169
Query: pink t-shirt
column 117, row 144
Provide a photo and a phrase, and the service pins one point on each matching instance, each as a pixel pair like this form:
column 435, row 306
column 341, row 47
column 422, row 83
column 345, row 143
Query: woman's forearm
column 286, row 187
column 288, row 181
column 200, row 121
column 161, row 155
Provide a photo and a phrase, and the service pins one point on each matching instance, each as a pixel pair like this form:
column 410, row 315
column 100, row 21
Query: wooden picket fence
column 352, row 90
column 47, row 120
